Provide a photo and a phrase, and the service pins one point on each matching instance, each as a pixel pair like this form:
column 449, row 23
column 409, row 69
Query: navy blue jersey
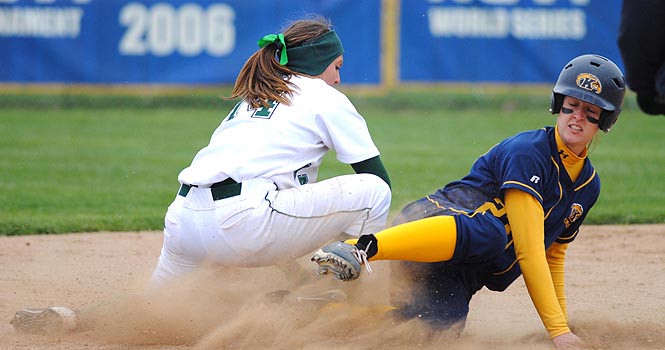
column 530, row 162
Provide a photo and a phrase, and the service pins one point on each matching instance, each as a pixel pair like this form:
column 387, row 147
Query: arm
column 526, row 218
column 556, row 255
column 641, row 42
column 372, row 166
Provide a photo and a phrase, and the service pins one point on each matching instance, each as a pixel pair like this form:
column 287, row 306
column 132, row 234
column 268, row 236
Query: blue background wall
column 199, row 42
column 517, row 41
column 207, row 42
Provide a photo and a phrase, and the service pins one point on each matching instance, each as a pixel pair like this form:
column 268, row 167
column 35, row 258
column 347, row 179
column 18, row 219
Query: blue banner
column 207, row 42
column 522, row 41
column 166, row 42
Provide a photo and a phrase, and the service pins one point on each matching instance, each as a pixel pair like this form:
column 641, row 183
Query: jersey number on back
column 262, row 112
column 265, row 113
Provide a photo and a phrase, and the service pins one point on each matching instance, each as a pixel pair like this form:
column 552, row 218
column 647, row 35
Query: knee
column 484, row 241
column 497, row 246
column 378, row 188
column 437, row 313
column 493, row 241
column 375, row 183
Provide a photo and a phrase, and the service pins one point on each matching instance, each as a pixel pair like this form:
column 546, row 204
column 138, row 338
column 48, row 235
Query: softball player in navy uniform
column 251, row 197
column 514, row 214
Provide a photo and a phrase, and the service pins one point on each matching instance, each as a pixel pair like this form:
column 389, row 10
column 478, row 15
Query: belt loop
column 184, row 190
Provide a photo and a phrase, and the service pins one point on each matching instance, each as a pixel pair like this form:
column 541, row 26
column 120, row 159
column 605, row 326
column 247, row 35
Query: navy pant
column 439, row 293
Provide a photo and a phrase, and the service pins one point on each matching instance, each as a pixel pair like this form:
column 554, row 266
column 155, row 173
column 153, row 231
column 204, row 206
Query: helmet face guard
column 593, row 79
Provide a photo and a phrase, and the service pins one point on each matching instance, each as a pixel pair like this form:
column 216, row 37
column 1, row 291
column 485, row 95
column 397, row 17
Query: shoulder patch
column 576, row 212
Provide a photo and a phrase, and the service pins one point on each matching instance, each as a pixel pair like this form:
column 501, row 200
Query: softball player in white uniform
column 250, row 197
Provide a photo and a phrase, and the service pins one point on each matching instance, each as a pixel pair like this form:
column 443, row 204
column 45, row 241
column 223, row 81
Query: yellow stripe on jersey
column 556, row 165
column 526, row 186
column 587, row 181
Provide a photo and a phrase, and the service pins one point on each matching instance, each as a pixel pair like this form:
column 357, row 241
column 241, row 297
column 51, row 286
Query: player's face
column 578, row 123
column 331, row 74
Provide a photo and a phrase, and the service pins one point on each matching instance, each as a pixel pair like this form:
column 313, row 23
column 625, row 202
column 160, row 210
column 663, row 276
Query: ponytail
column 263, row 79
column 310, row 44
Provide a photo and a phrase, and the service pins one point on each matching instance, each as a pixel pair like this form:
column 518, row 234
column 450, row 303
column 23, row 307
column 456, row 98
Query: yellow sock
column 426, row 240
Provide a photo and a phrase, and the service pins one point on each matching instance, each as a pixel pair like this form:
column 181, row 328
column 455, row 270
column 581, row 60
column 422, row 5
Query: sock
column 426, row 240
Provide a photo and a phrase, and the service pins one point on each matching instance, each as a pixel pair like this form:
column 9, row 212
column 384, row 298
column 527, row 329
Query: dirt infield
column 615, row 282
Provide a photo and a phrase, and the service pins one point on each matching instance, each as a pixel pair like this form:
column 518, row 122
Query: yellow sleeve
column 526, row 218
column 556, row 255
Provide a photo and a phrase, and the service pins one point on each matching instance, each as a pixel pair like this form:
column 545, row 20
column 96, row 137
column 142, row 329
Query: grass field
column 92, row 163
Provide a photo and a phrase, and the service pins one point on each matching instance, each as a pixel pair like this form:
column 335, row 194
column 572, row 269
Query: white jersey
column 284, row 143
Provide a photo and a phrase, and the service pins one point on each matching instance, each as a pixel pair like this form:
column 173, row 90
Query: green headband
column 312, row 58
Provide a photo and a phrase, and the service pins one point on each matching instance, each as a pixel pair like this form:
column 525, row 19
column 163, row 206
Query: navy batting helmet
column 593, row 79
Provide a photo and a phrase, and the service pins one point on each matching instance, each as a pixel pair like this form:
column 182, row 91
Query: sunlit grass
column 109, row 166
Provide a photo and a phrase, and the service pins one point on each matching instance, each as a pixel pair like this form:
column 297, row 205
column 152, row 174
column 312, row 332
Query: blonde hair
column 262, row 78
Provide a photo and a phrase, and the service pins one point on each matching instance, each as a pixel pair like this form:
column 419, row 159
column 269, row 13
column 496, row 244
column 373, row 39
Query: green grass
column 92, row 164
column 87, row 170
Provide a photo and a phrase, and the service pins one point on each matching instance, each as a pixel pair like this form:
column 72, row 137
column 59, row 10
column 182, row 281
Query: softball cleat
column 342, row 260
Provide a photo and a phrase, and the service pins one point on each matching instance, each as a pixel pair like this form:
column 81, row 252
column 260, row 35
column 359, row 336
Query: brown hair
column 262, row 78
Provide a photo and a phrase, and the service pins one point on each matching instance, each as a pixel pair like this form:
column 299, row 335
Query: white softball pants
column 263, row 226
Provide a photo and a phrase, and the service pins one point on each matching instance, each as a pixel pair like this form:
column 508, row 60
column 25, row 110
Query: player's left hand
column 568, row 341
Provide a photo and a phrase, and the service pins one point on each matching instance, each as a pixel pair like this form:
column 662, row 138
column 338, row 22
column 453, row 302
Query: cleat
column 341, row 259
column 44, row 320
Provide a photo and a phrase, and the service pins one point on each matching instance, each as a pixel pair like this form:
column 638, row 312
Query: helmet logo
column 589, row 82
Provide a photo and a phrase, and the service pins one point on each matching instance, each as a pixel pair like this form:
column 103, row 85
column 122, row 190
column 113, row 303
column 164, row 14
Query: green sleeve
column 372, row 166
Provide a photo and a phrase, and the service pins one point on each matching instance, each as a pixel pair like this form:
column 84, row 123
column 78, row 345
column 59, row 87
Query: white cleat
column 341, row 259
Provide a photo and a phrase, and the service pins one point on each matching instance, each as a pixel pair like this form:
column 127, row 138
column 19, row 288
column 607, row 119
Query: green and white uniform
column 281, row 212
